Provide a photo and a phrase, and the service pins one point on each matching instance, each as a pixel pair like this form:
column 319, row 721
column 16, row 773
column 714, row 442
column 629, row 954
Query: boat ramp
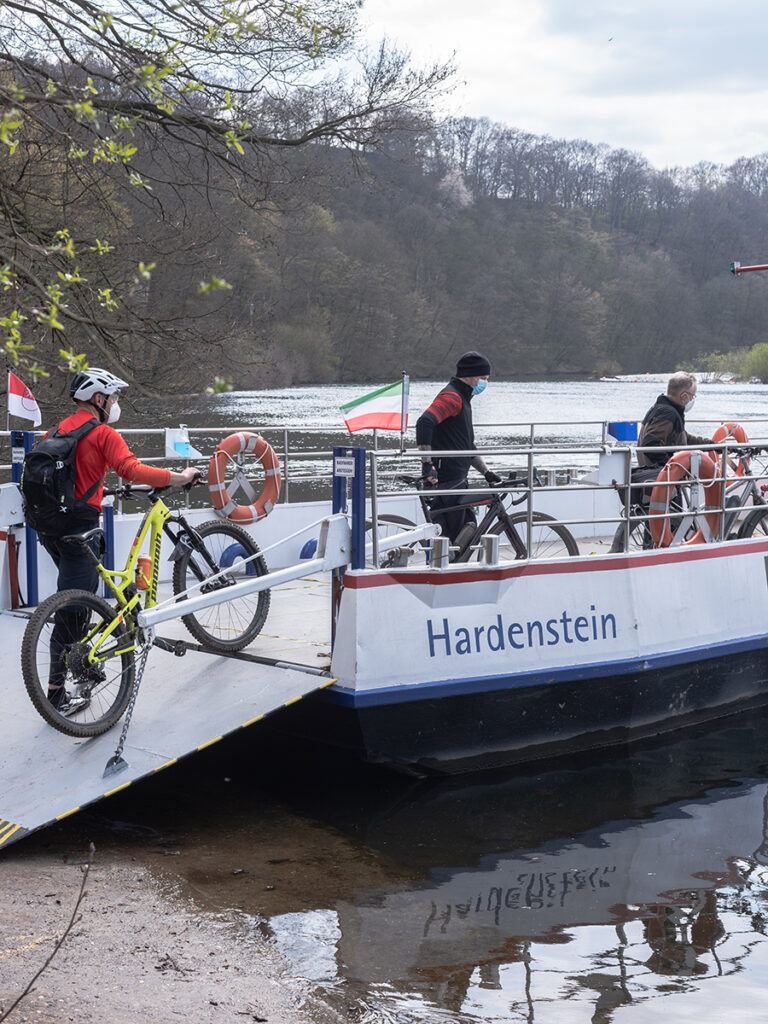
column 185, row 705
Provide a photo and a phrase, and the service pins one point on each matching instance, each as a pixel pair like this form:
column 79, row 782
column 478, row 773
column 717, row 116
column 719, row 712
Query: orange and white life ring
column 678, row 468
column 738, row 433
column 226, row 454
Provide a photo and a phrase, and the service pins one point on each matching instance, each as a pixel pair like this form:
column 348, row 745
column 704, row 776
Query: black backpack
column 48, row 482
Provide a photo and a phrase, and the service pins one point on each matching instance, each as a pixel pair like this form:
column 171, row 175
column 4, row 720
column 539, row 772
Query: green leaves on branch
column 11, row 325
column 216, row 284
column 234, row 141
column 111, row 151
column 145, row 271
column 10, row 122
column 219, row 386
column 74, row 362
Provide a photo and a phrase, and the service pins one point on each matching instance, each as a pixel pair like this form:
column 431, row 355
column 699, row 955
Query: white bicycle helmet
column 93, row 381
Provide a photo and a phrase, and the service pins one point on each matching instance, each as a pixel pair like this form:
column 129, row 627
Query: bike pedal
column 177, row 647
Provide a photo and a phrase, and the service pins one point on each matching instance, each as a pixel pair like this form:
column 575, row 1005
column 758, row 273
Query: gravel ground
column 135, row 953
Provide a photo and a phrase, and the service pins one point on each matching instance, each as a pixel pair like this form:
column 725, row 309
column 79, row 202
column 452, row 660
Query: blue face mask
column 480, row 387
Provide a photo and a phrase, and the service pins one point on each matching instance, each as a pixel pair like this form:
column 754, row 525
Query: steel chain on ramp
column 116, row 762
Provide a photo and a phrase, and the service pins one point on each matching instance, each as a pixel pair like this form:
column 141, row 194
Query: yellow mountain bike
column 80, row 640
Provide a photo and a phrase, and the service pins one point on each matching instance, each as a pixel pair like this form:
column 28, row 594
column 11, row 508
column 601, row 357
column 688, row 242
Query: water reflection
column 562, row 896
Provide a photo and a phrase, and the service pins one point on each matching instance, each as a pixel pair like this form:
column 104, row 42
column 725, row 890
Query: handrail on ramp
column 334, row 546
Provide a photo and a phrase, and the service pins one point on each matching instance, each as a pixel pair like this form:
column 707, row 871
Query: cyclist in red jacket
column 96, row 393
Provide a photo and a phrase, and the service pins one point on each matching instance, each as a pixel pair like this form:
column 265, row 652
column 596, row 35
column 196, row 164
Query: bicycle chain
column 117, row 756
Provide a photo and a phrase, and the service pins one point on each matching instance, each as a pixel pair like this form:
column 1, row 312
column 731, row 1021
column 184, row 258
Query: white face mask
column 689, row 405
column 114, row 413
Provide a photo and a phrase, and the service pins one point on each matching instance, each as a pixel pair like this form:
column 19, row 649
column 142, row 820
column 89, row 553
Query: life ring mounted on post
column 230, row 454
column 740, row 461
column 692, row 466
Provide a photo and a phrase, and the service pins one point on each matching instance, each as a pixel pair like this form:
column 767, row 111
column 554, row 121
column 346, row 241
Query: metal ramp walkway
column 185, row 705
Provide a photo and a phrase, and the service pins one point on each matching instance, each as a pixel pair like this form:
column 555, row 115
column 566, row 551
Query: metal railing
column 737, row 495
column 560, row 466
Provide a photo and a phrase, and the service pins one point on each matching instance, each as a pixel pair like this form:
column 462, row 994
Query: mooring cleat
column 114, row 765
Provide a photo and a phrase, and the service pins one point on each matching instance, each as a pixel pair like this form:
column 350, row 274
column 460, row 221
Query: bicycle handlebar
column 512, row 482
column 130, row 490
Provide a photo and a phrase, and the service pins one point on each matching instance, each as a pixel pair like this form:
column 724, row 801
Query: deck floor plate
column 184, row 705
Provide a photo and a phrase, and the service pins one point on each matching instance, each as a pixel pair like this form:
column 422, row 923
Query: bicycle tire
column 755, row 523
column 550, row 538
column 231, row 625
column 639, row 537
column 108, row 696
column 397, row 524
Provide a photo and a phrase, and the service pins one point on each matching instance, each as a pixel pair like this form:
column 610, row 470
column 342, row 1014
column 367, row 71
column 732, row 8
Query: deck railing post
column 722, row 468
column 628, row 500
column 348, row 464
column 286, row 482
column 357, row 560
column 23, row 441
column 108, row 514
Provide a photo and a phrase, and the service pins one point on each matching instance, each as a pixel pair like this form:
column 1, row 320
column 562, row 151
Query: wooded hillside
column 553, row 257
column 156, row 222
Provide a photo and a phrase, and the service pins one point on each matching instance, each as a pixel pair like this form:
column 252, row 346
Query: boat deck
column 184, row 705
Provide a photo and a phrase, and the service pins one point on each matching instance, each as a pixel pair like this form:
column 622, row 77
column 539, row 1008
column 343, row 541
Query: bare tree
column 148, row 104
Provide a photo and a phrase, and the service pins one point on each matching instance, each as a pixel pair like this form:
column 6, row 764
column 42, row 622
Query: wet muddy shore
column 188, row 869
column 137, row 951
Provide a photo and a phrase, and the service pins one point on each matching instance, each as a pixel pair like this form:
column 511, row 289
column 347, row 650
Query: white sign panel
column 344, row 466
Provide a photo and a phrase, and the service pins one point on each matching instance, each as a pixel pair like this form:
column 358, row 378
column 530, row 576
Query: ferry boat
column 434, row 666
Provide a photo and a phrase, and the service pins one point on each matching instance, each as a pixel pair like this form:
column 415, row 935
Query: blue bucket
column 623, row 431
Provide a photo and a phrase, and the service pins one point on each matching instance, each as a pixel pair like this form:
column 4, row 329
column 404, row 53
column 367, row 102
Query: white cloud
column 678, row 80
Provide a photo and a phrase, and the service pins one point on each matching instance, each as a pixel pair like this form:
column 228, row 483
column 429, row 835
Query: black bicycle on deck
column 548, row 537
column 741, row 518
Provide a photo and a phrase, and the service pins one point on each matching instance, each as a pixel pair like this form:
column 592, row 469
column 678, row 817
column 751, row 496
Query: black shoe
column 66, row 703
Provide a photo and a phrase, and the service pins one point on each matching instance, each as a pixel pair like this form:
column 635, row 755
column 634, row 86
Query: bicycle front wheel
column 54, row 651
column 388, row 525
column 548, row 539
column 231, row 625
column 755, row 525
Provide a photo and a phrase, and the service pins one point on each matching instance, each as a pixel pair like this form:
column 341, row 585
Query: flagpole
column 404, row 411
column 8, row 403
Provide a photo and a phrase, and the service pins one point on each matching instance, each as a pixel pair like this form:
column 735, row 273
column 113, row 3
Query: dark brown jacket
column 663, row 427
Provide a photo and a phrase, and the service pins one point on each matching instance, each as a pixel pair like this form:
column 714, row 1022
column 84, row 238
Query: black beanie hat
column 472, row 364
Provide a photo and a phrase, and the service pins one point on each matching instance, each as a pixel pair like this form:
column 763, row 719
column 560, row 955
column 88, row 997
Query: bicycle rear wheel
column 548, row 539
column 639, row 537
column 54, row 649
column 231, row 625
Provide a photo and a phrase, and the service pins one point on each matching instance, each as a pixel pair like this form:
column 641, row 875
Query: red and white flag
column 21, row 401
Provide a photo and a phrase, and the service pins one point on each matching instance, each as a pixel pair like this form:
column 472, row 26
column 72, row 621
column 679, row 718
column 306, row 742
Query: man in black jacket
column 447, row 426
column 664, row 423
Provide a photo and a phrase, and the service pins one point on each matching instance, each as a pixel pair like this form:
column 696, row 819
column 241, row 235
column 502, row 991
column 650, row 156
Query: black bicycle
column 746, row 508
column 548, row 537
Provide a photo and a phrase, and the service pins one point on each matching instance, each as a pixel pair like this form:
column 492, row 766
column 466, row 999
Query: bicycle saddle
column 83, row 538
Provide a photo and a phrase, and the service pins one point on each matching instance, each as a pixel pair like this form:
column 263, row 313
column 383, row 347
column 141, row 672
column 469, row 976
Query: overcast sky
column 677, row 80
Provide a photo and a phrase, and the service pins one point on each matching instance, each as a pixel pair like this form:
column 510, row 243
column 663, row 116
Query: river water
column 565, row 413
column 618, row 888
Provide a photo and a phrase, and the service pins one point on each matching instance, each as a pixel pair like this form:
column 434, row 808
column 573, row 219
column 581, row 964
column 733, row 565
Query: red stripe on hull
column 570, row 565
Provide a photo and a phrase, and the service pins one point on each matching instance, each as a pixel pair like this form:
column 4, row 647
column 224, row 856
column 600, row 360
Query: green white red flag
column 383, row 409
